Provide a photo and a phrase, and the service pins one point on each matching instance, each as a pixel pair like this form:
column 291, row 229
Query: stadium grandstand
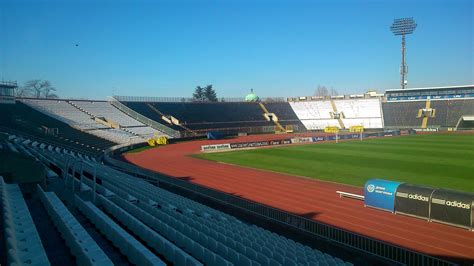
column 91, row 207
column 434, row 107
column 100, row 166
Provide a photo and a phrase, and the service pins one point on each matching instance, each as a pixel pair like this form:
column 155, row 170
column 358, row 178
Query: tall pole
column 402, row 27
column 403, row 67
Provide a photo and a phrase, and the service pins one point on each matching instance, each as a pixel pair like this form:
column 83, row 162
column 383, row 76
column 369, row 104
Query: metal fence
column 189, row 100
column 353, row 240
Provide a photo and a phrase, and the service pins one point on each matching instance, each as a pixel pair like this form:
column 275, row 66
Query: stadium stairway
column 23, row 243
column 286, row 115
column 424, row 122
column 84, row 248
column 168, row 131
column 55, row 246
column 339, row 119
column 169, row 121
column 275, row 118
column 109, row 121
column 111, row 251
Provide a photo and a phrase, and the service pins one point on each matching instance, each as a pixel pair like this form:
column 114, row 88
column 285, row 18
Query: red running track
column 311, row 198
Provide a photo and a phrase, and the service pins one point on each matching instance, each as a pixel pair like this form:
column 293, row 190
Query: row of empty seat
column 204, row 116
column 24, row 246
column 84, row 248
column 113, row 114
column 223, row 229
column 81, row 115
column 164, row 227
column 136, row 252
column 402, row 114
column 108, row 111
column 310, row 110
column 30, row 121
column 145, row 232
column 186, row 227
column 144, row 131
column 218, row 222
column 116, row 135
column 317, row 115
column 65, row 112
column 359, row 108
column 446, row 113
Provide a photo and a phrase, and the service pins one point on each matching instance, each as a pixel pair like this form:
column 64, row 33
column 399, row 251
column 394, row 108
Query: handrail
column 145, row 120
column 163, row 115
column 192, row 100
column 50, row 142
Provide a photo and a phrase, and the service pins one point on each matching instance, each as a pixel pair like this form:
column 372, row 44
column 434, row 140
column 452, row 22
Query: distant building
column 252, row 97
column 7, row 91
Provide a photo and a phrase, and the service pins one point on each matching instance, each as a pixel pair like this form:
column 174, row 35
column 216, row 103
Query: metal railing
column 145, row 120
column 52, row 142
column 353, row 240
column 367, row 245
column 190, row 100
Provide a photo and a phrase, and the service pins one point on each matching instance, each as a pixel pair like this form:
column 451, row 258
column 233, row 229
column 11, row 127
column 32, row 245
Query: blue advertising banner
column 315, row 139
column 434, row 97
column 345, row 136
column 213, row 135
column 380, row 194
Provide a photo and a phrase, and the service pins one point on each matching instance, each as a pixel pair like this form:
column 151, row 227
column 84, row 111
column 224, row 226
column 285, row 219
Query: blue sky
column 278, row 48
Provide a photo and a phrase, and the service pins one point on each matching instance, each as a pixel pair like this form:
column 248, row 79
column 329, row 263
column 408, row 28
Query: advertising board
column 216, row 147
column 242, row 145
column 452, row 207
column 413, row 200
column 302, row 140
column 380, row 194
column 316, row 139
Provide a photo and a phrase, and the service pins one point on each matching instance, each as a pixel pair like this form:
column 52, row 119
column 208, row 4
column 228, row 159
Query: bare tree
column 321, row 91
column 22, row 92
column 40, row 88
column 333, row 92
column 49, row 93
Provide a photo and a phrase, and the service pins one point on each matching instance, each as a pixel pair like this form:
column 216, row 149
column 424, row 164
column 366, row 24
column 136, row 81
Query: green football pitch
column 444, row 161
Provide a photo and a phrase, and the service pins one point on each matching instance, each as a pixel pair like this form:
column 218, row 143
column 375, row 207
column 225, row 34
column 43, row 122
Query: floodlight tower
column 403, row 26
